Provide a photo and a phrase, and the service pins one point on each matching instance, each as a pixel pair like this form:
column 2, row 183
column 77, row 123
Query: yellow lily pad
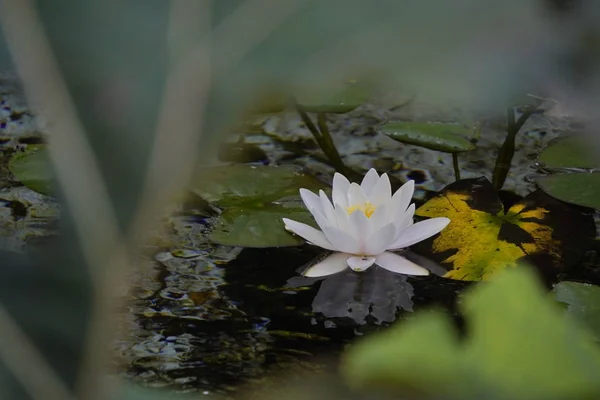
column 482, row 238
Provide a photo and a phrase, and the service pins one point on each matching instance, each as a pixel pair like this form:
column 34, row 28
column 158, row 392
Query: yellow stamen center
column 367, row 208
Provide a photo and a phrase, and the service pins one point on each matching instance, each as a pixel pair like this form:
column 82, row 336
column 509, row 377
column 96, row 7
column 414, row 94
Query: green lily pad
column 338, row 100
column 254, row 199
column 250, row 185
column 445, row 137
column 268, row 102
column 241, row 153
column 518, row 345
column 583, row 303
column 580, row 188
column 351, row 95
column 258, row 227
column 568, row 152
column 33, row 169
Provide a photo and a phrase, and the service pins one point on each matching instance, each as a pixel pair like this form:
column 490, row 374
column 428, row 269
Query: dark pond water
column 211, row 324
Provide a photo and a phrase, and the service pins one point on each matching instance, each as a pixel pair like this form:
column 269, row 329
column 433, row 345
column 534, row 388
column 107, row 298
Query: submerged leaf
column 254, row 200
column 482, row 238
column 33, row 169
column 445, row 137
column 568, row 152
column 580, row 188
column 518, row 346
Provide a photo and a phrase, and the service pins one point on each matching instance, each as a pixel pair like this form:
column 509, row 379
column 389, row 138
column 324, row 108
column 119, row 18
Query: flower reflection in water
column 376, row 293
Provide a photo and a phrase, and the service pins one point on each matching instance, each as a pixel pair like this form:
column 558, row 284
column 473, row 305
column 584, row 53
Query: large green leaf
column 518, row 346
column 254, row 200
column 33, row 169
column 258, row 226
column 350, row 96
column 581, row 188
column 582, row 301
column 337, row 99
column 568, row 152
column 446, row 137
column 250, row 185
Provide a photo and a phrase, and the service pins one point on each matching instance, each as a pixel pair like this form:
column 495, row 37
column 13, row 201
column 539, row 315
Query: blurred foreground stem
column 324, row 140
column 507, row 150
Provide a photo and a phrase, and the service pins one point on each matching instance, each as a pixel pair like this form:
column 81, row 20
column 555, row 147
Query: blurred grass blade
column 27, row 364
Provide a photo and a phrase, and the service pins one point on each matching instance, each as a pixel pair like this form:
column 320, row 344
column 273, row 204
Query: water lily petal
column 369, row 181
column 311, row 200
column 341, row 240
column 380, row 240
column 341, row 218
column 380, row 217
column 313, row 203
column 333, row 264
column 359, row 264
column 382, row 192
column 327, row 207
column 396, row 263
column 404, row 220
column 340, row 190
column 356, row 195
column 401, row 199
column 359, row 228
column 419, row 232
column 308, row 233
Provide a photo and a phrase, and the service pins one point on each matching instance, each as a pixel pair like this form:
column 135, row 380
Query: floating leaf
column 241, row 153
column 446, row 137
column 580, row 188
column 583, row 303
column 568, row 152
column 258, row 226
column 33, row 169
column 351, row 95
column 518, row 346
column 254, row 200
column 482, row 239
column 268, row 102
column 249, row 185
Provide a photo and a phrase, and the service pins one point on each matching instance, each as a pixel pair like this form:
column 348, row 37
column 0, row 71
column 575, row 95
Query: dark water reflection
column 211, row 326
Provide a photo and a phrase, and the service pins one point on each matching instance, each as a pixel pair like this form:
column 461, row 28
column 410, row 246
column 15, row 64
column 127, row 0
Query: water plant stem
column 324, row 140
column 507, row 151
column 455, row 165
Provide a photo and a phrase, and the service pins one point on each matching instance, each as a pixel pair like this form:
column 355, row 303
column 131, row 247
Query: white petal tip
column 360, row 264
column 443, row 221
column 400, row 265
column 424, row 272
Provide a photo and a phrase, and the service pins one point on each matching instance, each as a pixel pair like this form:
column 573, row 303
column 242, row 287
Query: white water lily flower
column 364, row 225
